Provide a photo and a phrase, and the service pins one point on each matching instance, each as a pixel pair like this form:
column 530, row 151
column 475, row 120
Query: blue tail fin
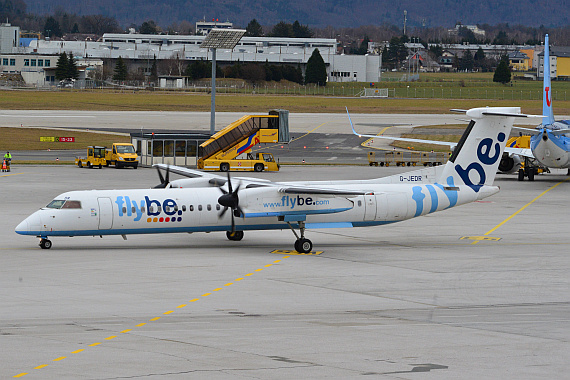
column 547, row 88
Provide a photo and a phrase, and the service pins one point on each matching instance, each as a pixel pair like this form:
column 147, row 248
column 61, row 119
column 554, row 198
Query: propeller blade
column 160, row 175
column 164, row 181
column 221, row 214
column 229, row 183
column 233, row 224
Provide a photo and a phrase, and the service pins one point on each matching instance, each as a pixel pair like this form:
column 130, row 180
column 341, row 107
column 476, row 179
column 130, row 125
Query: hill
column 319, row 13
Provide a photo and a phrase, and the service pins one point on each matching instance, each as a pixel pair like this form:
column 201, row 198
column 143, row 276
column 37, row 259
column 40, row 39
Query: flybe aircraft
column 205, row 202
column 549, row 142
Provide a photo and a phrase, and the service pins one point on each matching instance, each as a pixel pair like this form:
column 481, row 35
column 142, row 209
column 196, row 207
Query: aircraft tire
column 45, row 243
column 303, row 245
column 236, row 236
column 521, row 175
column 531, row 175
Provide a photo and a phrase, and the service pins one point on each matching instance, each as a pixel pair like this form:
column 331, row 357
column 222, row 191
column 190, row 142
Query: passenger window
column 151, row 209
column 71, row 204
column 209, row 207
column 359, row 203
column 142, row 210
column 191, row 207
column 199, row 207
column 218, row 207
column 184, row 208
column 166, row 208
column 133, row 210
column 176, row 208
column 158, row 209
column 124, row 210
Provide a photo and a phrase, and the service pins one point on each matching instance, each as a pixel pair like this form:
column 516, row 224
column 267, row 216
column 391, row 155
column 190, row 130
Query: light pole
column 224, row 39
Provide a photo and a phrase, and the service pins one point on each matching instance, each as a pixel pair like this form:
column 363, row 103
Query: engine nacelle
column 510, row 163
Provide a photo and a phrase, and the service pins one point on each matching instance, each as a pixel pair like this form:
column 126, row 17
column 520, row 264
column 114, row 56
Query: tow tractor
column 95, row 157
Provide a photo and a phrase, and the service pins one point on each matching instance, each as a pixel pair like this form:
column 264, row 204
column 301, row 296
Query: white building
column 140, row 49
column 9, row 37
column 204, row 27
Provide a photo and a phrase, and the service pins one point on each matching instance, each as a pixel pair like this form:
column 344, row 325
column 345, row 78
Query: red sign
column 65, row 139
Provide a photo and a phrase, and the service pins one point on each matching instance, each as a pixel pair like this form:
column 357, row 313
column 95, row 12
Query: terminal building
column 140, row 49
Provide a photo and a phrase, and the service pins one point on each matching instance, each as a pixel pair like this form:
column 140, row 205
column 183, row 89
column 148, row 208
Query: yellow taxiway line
column 521, row 209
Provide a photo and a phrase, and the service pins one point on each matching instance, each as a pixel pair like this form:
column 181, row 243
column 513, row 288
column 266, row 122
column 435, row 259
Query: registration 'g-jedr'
column 200, row 203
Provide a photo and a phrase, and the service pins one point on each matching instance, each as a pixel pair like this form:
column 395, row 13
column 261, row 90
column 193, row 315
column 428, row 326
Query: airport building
column 140, row 49
column 559, row 63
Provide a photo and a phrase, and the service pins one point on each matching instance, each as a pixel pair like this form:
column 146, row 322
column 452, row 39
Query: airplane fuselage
column 140, row 211
column 551, row 150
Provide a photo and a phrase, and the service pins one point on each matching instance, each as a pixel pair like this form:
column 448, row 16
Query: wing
column 199, row 178
column 446, row 143
column 189, row 173
column 520, row 151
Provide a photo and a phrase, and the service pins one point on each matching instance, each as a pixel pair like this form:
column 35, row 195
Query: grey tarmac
column 410, row 300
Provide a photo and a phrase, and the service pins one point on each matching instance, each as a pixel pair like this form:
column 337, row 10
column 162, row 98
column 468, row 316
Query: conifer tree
column 72, row 72
column 120, row 72
column 62, row 67
column 316, row 71
column 503, row 72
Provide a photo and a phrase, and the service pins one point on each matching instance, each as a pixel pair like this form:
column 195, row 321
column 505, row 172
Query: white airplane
column 199, row 203
column 549, row 142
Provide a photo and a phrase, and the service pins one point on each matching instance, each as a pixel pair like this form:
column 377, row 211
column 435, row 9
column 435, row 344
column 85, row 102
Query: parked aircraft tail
column 476, row 157
column 547, row 88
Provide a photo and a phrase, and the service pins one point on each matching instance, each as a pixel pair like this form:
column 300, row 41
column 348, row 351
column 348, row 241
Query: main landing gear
column 45, row 243
column 234, row 236
column 302, row 244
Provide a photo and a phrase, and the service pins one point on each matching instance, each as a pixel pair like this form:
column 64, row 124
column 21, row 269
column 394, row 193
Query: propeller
column 164, row 181
column 230, row 199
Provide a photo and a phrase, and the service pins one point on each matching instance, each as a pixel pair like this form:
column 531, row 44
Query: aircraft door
column 369, row 207
column 105, row 213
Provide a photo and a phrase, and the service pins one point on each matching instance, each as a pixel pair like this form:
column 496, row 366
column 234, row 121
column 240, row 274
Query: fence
column 425, row 92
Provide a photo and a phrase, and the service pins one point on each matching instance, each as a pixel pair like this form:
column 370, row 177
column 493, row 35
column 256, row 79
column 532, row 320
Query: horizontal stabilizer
column 527, row 131
column 558, row 132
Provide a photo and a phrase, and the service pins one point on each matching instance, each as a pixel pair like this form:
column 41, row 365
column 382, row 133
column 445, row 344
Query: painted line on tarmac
column 520, row 210
column 8, row 175
column 287, row 252
column 166, row 313
column 371, row 140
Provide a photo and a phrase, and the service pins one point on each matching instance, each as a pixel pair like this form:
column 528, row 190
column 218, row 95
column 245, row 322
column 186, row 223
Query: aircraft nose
column 30, row 226
column 23, row 227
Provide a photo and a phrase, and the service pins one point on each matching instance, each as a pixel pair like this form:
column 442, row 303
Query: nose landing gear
column 45, row 243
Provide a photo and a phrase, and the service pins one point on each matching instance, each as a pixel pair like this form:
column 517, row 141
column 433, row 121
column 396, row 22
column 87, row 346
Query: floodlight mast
column 225, row 39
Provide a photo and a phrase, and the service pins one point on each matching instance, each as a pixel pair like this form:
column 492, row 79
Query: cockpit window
column 64, row 204
column 72, row 204
column 55, row 204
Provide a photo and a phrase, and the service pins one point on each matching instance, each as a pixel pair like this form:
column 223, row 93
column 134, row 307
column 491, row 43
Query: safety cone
column 4, row 167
